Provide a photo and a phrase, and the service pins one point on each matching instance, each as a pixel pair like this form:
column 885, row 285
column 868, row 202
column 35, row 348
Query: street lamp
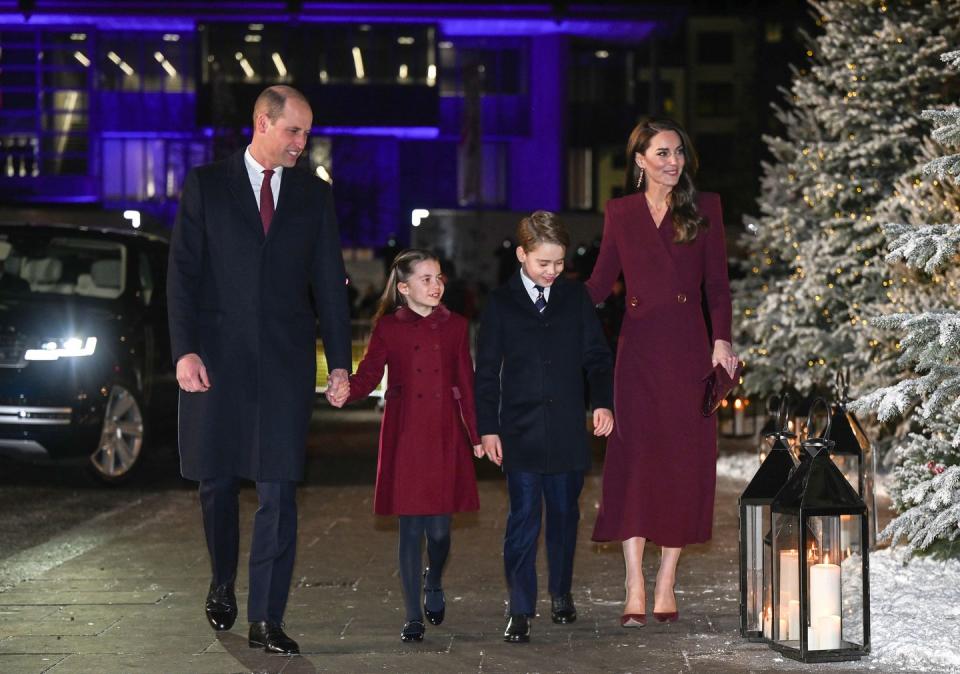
column 821, row 589
column 756, row 580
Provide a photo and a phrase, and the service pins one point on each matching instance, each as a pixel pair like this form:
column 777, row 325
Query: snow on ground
column 740, row 466
column 914, row 611
column 914, row 601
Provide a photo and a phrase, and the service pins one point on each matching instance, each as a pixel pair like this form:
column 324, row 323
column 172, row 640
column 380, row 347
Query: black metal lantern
column 854, row 456
column 821, row 590
column 756, row 580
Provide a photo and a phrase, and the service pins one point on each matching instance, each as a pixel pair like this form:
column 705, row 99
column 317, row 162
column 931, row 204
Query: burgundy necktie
column 266, row 201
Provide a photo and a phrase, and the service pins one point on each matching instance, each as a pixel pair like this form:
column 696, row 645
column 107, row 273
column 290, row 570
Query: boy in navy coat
column 538, row 334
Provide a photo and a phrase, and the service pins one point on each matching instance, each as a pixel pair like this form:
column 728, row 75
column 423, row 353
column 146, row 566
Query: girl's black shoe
column 412, row 631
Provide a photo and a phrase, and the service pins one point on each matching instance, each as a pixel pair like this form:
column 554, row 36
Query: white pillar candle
column 793, row 620
column 768, row 623
column 824, row 590
column 782, row 636
column 812, row 638
column 789, row 581
column 828, row 632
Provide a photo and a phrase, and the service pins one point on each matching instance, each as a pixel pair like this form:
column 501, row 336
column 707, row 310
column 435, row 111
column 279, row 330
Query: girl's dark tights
column 412, row 530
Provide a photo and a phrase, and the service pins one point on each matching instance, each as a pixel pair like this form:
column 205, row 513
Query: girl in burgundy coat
column 659, row 473
column 424, row 471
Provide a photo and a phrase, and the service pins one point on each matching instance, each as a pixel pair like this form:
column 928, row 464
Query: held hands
column 478, row 451
column 602, row 422
column 492, row 448
column 338, row 387
column 192, row 374
column 723, row 355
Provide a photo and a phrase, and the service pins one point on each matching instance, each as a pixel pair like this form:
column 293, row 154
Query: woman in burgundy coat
column 424, row 471
column 660, row 469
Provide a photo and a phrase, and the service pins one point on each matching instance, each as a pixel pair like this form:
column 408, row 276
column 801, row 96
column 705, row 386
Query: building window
column 580, row 178
column 715, row 99
column 45, row 83
column 715, row 47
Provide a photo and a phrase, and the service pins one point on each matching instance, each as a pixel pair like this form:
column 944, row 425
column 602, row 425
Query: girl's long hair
column 687, row 220
column 400, row 271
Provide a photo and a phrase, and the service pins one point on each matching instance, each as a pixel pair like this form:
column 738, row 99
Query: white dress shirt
column 255, row 173
column 533, row 292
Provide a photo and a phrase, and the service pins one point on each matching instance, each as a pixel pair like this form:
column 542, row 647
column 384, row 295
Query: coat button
column 634, row 301
column 419, row 395
column 681, row 298
column 416, row 347
column 436, row 395
column 436, row 347
column 419, row 370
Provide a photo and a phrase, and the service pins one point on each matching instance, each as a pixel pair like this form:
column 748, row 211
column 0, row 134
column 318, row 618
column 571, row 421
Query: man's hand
column 338, row 387
column 602, row 421
column 192, row 374
column 492, row 448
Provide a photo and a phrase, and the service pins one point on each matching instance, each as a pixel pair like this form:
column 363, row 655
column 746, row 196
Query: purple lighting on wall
column 607, row 30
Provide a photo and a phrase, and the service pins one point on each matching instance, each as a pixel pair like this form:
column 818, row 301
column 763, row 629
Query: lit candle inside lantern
column 793, row 620
column 824, row 589
column 812, row 638
column 789, row 581
column 768, row 623
column 828, row 632
column 783, row 630
column 738, row 416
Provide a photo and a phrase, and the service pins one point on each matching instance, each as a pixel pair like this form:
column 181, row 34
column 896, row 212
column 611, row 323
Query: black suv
column 84, row 346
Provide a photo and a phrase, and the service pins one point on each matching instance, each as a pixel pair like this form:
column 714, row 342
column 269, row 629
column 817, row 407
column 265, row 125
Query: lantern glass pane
column 754, row 531
column 849, row 465
column 835, row 582
column 785, row 624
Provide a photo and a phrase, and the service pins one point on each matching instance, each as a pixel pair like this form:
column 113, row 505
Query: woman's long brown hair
column 687, row 220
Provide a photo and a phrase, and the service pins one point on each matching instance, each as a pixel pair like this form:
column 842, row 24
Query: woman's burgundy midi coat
column 429, row 424
column 659, row 473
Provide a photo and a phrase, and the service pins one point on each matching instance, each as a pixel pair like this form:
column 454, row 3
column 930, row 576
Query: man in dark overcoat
column 255, row 261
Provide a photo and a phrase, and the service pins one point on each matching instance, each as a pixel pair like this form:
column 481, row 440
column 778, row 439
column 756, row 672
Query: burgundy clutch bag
column 717, row 386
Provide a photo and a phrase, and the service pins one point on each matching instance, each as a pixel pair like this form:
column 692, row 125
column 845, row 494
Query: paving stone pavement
column 129, row 598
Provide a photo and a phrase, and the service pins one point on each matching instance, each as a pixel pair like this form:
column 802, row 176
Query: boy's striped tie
column 541, row 302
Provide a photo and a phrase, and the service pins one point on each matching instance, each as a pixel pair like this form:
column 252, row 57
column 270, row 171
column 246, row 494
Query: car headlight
column 67, row 347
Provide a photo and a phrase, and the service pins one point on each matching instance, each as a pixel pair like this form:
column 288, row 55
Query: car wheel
column 121, row 438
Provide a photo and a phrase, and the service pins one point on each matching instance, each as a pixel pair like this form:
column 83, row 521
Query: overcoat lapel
column 244, row 200
column 519, row 293
column 651, row 238
column 288, row 187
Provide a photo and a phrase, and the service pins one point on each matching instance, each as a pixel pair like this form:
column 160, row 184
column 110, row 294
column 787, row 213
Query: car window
column 39, row 263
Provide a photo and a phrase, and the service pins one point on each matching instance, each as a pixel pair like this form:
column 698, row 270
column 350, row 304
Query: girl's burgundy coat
column 425, row 465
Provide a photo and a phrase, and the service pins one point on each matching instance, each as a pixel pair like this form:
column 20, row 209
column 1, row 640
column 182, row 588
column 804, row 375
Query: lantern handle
column 843, row 385
column 825, row 436
column 783, row 414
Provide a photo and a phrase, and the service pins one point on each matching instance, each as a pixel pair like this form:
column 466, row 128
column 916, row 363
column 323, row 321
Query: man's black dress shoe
column 221, row 607
column 518, row 629
column 562, row 610
column 433, row 598
column 412, row 631
column 272, row 639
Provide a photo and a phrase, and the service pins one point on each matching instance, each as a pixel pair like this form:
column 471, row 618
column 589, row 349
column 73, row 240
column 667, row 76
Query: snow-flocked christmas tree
column 926, row 491
column 813, row 276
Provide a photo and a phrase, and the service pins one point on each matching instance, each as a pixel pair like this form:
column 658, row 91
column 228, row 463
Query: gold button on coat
column 681, row 298
column 634, row 301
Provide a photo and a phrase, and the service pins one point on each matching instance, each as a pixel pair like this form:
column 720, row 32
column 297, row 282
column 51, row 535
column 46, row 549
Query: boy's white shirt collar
column 528, row 284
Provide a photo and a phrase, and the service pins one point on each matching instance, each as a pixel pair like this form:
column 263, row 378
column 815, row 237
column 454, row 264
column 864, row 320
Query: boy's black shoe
column 518, row 629
column 562, row 610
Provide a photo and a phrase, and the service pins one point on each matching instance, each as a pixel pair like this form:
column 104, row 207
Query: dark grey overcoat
column 248, row 305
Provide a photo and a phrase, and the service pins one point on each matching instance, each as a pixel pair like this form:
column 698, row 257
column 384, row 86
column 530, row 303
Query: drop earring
column 640, row 179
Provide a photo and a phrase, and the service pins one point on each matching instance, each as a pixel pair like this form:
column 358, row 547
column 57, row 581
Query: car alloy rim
column 122, row 435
